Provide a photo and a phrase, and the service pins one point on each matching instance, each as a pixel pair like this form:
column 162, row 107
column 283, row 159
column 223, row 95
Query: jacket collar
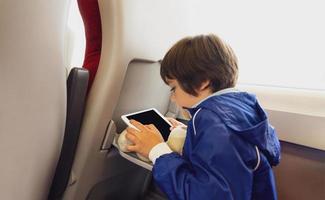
column 194, row 108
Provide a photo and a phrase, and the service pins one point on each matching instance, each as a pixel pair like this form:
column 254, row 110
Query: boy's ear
column 204, row 85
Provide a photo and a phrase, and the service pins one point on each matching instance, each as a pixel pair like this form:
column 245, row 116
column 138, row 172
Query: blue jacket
column 228, row 136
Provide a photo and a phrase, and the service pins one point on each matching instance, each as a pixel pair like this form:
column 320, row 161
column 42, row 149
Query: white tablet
column 149, row 116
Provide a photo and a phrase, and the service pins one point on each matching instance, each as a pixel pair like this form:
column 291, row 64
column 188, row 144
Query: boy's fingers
column 153, row 127
column 138, row 125
column 132, row 137
column 132, row 148
column 149, row 126
column 132, row 130
column 172, row 121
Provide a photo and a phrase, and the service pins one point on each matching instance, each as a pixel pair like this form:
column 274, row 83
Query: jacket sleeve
column 213, row 169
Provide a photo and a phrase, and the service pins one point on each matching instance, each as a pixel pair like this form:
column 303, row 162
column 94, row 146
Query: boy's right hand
column 175, row 123
column 143, row 139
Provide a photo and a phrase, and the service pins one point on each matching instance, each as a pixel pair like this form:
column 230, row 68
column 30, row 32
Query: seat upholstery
column 33, row 95
column 76, row 97
column 142, row 89
column 301, row 173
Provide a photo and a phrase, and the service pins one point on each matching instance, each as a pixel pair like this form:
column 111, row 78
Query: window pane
column 75, row 37
column 278, row 43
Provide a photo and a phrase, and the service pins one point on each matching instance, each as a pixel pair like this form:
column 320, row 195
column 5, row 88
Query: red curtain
column 89, row 11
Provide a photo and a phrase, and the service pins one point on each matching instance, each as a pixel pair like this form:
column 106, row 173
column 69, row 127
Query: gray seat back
column 142, row 89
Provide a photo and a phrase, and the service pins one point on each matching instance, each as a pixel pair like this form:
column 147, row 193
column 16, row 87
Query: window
column 75, row 37
column 278, row 43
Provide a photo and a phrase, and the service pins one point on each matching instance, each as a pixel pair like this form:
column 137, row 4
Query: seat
column 77, row 85
column 301, row 172
column 33, row 95
column 128, row 36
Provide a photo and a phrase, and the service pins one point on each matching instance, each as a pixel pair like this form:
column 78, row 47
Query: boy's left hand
column 143, row 139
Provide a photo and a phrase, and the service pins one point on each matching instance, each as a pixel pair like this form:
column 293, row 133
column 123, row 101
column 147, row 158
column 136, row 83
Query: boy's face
column 183, row 99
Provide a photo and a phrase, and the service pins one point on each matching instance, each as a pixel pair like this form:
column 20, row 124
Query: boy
column 230, row 146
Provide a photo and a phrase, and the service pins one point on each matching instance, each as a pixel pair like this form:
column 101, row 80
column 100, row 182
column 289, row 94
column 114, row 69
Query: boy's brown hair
column 194, row 60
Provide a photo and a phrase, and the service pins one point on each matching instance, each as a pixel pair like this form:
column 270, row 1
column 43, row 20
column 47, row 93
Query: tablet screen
column 151, row 117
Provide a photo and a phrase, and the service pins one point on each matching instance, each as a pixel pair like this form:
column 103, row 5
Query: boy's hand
column 175, row 123
column 143, row 140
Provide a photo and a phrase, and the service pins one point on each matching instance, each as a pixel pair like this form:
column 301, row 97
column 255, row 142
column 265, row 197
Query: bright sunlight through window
column 278, row 43
column 75, row 37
